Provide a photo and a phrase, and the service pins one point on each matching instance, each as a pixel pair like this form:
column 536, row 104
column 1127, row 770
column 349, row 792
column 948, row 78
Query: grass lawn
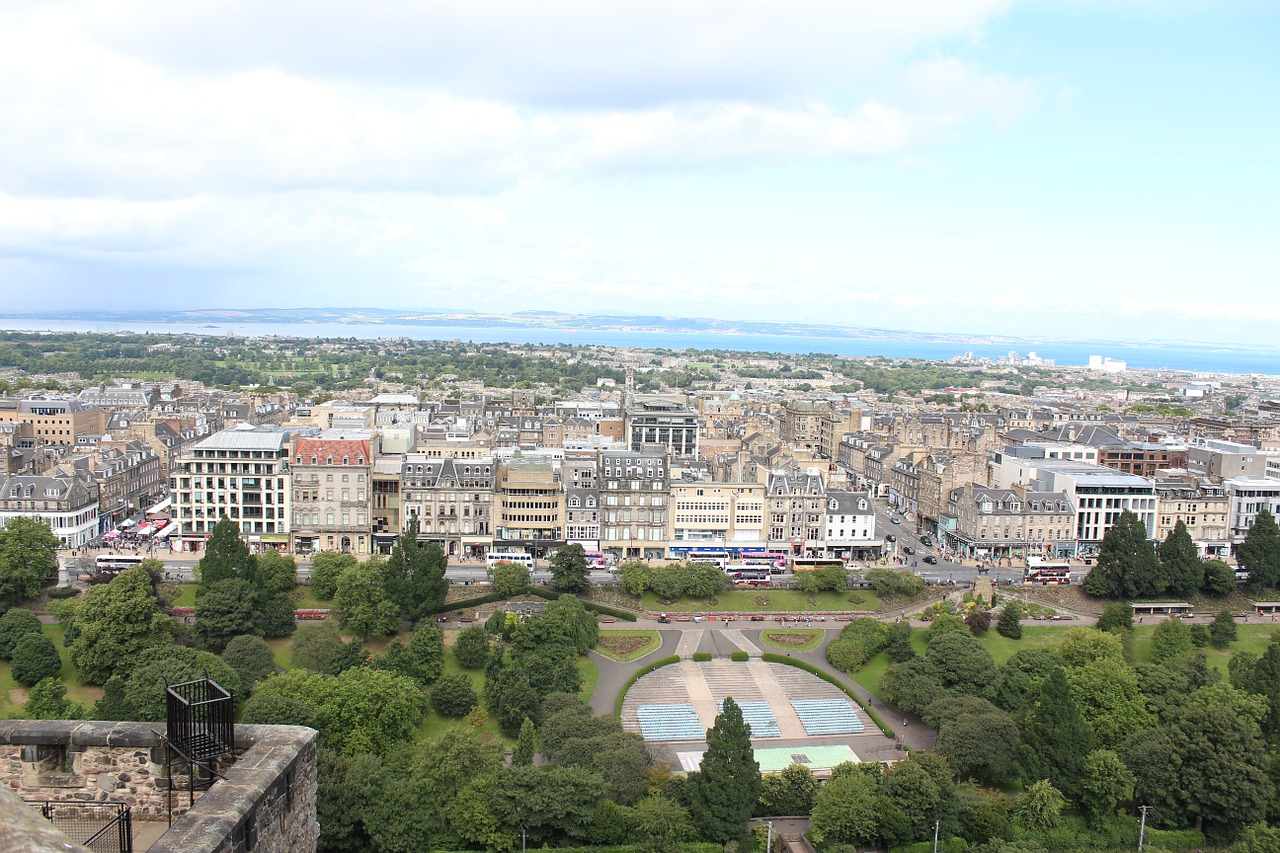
column 654, row 642
column 812, row 639
column 307, row 601
column 188, row 597
column 780, row 600
column 1250, row 638
column 77, row 691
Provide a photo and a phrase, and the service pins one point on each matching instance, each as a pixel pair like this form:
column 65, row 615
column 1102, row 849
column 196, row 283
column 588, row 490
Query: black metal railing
column 102, row 827
column 200, row 719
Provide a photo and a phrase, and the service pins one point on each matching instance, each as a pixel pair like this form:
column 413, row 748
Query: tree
column 274, row 710
column 28, row 559
column 224, row 612
column 471, row 647
column 912, row 686
column 326, row 568
column 226, row 556
column 422, row 659
column 47, row 700
column 845, row 811
column 1009, row 625
column 788, row 793
column 981, row 745
column 1127, row 564
column 116, row 623
column 251, row 658
column 1171, row 639
column 350, row 656
column 633, row 576
column 313, row 645
column 363, row 602
column 1260, row 550
column 565, row 620
column 1219, row 579
column 891, row 584
column 569, row 570
column 113, row 705
column 661, row 824
column 1183, row 568
column 277, row 577
column 1257, row 838
column 1110, row 701
column 1083, row 646
column 979, row 622
column 726, row 787
column 1116, row 616
column 526, row 744
column 898, row 645
column 453, row 695
column 1222, row 632
column 1055, row 739
column 145, row 685
column 1040, row 807
column 921, row 789
column 549, row 802
column 15, row 625
column 414, row 575
column 959, row 661
column 35, row 658
column 508, row 578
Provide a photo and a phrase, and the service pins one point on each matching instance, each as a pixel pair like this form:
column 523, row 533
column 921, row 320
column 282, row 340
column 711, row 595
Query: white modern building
column 1247, row 497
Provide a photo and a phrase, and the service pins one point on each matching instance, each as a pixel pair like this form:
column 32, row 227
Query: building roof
column 330, row 451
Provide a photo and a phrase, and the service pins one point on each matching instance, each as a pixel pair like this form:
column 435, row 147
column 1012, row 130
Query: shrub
column 739, row 656
column 453, row 696
column 702, row 657
column 35, row 658
column 13, row 626
column 64, row 592
column 979, row 622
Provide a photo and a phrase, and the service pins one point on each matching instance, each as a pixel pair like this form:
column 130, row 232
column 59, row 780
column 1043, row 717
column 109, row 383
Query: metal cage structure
column 200, row 731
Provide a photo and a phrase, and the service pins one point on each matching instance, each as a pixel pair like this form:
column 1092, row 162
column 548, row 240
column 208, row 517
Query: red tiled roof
column 323, row 448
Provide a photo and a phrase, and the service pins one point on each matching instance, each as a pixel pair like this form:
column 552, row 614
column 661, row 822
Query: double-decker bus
column 522, row 558
column 751, row 577
column 717, row 557
column 110, row 565
column 597, row 559
column 776, row 561
column 1047, row 574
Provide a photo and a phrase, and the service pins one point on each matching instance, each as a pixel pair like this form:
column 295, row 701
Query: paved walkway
column 789, row 724
column 704, row 704
column 735, row 636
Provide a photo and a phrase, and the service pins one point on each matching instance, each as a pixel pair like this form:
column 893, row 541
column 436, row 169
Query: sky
column 1065, row 168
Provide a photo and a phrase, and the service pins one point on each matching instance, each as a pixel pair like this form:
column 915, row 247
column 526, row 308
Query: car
column 908, row 550
column 926, row 539
column 894, row 520
column 890, row 538
column 931, row 560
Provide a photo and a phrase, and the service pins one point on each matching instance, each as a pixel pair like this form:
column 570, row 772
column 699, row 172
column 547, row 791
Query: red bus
column 1047, row 575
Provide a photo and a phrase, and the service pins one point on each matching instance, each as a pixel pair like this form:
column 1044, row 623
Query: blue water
column 1172, row 356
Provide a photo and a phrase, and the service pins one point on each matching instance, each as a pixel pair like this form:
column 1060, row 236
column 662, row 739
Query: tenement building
column 332, row 493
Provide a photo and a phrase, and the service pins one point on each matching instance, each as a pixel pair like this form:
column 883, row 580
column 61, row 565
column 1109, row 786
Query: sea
column 1173, row 356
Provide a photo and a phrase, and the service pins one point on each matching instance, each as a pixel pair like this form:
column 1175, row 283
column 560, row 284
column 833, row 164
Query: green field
column 655, row 643
column 1252, row 638
column 780, row 600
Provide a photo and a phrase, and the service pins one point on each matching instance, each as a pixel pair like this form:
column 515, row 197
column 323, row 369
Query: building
column 386, row 513
column 634, row 490
column 709, row 514
column 1010, row 523
column 1200, row 504
column 66, row 500
column 453, row 500
column 797, row 512
column 57, row 422
column 332, row 493
column 1248, row 496
column 129, row 480
column 242, row 474
column 662, row 424
column 529, row 504
column 851, row 525
column 579, row 472
column 1220, row 460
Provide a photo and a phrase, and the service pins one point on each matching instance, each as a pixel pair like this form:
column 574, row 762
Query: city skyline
column 1067, row 169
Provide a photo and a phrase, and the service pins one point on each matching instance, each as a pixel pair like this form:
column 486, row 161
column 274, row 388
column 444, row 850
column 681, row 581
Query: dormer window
column 328, row 460
column 315, row 460
column 984, row 506
column 833, row 505
column 346, row 460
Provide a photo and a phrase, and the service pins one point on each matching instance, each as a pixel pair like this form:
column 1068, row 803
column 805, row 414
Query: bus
column 1047, row 574
column 717, row 557
column 110, row 565
column 775, row 560
column 753, row 577
column 597, row 559
column 808, row 564
column 521, row 558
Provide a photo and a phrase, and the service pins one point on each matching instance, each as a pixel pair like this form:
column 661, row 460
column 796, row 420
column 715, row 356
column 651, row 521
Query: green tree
column 274, row 710
column 226, row 556
column 981, row 745
column 961, row 663
column 566, row 621
column 350, row 656
column 1116, row 616
column 1257, row 838
column 251, row 658
column 1219, row 578
column 898, row 645
column 1083, row 646
column 508, row 578
column 661, row 825
column 550, row 802
column 224, row 612
column 726, row 787
column 14, row 625
column 35, row 658
column 363, row 602
column 633, row 576
column 116, row 623
column 471, row 647
column 1055, row 738
column 453, row 695
column 921, row 789
column 28, row 559
column 113, row 705
column 348, row 790
column 144, row 687
column 1040, row 807
column 1222, row 632
column 277, row 577
column 788, row 793
column 1260, row 551
column 912, row 686
column 326, row 568
column 1183, row 568
column 313, row 645
column 526, row 744
column 47, row 700
column 1106, row 784
column 414, row 575
column 1110, row 701
column 845, row 811
column 1009, row 625
column 1127, row 564
column 569, row 570
column 891, row 584
column 1171, row 639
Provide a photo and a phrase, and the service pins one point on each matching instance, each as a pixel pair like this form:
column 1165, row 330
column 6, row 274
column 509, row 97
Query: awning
column 111, row 534
column 143, row 530
column 128, row 522
column 171, row 527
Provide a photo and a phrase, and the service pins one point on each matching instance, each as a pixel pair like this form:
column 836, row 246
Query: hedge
column 740, row 656
column 950, row 845
column 690, row 847
column 493, row 597
column 702, row 657
column 770, row 657
column 635, row 676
